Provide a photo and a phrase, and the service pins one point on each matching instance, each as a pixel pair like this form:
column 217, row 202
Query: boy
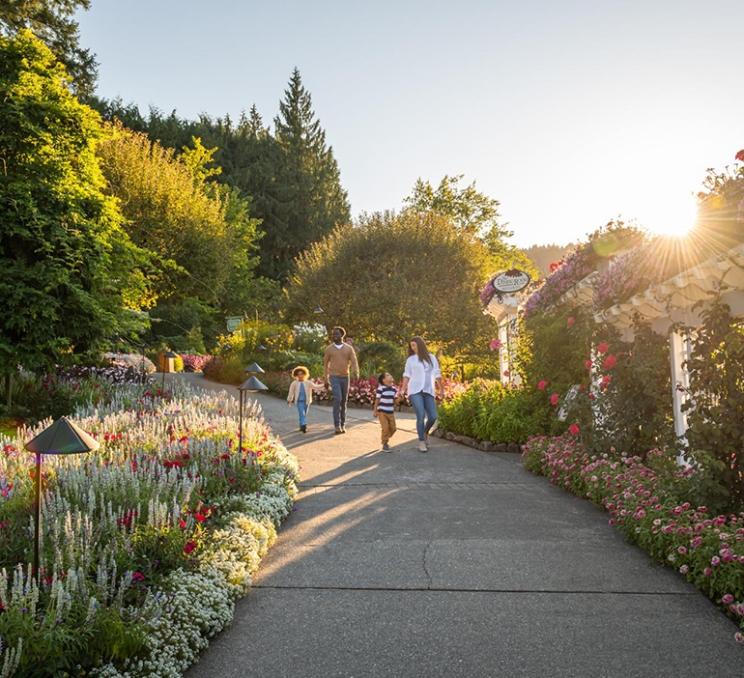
column 384, row 407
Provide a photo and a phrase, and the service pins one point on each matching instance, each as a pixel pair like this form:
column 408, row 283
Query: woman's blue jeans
column 425, row 405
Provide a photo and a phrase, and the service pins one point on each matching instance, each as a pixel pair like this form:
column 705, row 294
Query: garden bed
column 483, row 445
column 655, row 503
column 147, row 543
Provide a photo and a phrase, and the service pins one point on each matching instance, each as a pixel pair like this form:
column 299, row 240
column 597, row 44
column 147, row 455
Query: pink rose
column 603, row 348
column 554, row 398
column 573, row 429
column 542, row 385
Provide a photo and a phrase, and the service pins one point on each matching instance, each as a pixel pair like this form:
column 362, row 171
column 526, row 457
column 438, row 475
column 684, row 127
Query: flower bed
column 653, row 503
column 193, row 362
column 146, row 543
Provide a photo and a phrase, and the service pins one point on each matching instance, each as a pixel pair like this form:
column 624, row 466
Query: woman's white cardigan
column 294, row 390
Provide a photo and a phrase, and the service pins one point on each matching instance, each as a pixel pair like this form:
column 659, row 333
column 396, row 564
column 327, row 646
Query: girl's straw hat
column 300, row 368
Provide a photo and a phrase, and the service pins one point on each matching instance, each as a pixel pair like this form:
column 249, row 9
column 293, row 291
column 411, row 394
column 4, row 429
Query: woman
column 422, row 378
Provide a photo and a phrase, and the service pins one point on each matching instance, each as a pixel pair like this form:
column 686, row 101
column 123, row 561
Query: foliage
column 381, row 356
column 415, row 264
column 310, row 337
column 715, row 406
column 69, row 270
column 475, row 214
column 487, row 410
column 291, row 175
column 147, row 543
column 53, row 22
column 659, row 506
column 194, row 363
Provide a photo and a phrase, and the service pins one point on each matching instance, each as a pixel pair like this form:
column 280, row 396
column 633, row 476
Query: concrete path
column 454, row 563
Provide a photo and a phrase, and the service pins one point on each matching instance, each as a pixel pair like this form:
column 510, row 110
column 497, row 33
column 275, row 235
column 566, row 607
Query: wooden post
column 679, row 352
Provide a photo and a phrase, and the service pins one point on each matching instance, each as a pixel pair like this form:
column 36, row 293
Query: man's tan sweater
column 338, row 360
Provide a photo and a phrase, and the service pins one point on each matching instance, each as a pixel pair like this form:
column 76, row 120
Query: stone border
column 482, row 445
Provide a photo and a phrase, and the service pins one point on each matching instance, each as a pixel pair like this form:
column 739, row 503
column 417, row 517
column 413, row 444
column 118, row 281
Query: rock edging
column 482, row 445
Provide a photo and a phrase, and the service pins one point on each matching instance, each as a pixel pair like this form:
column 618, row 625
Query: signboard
column 510, row 282
column 233, row 322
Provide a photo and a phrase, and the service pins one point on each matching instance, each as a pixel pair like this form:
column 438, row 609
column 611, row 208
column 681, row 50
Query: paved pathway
column 454, row 563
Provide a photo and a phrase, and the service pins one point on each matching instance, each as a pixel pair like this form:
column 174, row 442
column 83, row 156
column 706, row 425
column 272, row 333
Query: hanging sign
column 510, row 282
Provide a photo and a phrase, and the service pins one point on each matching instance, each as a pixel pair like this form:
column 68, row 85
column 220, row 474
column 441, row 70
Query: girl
column 301, row 393
column 422, row 378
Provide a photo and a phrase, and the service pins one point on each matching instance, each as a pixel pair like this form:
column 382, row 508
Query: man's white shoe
column 422, row 446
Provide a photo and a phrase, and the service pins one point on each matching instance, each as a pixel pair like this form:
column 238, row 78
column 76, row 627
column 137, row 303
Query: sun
column 674, row 219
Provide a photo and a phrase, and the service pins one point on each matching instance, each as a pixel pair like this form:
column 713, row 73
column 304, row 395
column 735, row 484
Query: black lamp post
column 252, row 384
column 62, row 437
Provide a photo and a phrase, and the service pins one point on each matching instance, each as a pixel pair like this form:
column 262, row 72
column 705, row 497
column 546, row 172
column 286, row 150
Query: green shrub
column 381, row 356
column 487, row 410
column 225, row 369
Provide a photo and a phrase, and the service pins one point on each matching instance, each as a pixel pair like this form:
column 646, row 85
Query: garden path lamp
column 250, row 385
column 62, row 437
column 168, row 365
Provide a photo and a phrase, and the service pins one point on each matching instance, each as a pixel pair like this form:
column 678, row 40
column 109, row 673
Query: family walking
column 422, row 380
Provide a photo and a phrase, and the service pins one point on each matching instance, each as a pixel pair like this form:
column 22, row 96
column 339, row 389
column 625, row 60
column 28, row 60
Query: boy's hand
column 374, row 413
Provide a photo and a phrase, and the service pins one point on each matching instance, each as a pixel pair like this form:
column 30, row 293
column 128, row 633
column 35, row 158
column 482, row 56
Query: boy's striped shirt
column 386, row 397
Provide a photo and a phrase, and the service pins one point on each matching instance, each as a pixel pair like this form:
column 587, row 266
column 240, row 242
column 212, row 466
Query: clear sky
column 569, row 112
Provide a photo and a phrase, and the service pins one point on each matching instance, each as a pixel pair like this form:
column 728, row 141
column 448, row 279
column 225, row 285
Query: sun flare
column 676, row 220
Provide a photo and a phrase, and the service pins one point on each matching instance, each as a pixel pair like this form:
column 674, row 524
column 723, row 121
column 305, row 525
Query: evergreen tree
column 52, row 21
column 313, row 200
column 69, row 269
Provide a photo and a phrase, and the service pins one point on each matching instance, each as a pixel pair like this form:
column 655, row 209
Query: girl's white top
column 421, row 375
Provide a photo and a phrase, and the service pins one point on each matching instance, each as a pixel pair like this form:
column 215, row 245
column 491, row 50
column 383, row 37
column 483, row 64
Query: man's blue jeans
column 340, row 389
column 425, row 405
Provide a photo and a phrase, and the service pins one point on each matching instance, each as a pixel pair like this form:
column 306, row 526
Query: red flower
column 182, row 524
column 605, row 381
column 573, row 429
column 740, row 155
column 554, row 266
column 609, row 362
column 137, row 576
column 588, row 364
column 603, row 348
column 200, row 517
column 542, row 384
column 189, row 547
column 570, row 322
column 554, row 398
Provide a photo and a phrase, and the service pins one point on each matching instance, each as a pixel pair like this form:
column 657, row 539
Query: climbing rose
column 603, row 348
column 605, row 381
column 588, row 364
column 541, row 385
column 573, row 429
column 740, row 155
column 570, row 322
column 554, row 398
column 494, row 344
column 609, row 362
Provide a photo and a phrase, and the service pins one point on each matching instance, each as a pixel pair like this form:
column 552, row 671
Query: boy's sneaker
column 338, row 431
column 386, row 447
column 422, row 446
column 303, row 428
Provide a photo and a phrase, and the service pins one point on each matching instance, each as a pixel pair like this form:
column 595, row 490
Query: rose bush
column 146, row 542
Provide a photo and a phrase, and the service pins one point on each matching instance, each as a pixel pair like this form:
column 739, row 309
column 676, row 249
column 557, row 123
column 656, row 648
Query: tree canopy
column 52, row 21
column 70, row 271
column 393, row 276
column 474, row 214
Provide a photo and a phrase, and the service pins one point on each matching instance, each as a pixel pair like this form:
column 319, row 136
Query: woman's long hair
column 423, row 353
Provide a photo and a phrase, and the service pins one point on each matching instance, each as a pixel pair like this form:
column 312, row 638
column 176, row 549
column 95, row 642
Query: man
column 338, row 359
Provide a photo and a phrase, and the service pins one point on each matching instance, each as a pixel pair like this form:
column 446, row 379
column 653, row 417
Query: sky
column 570, row 112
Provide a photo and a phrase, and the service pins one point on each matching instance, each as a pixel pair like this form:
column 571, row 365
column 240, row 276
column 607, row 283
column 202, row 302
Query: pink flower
column 542, row 384
column 609, row 362
column 739, row 637
column 715, row 561
column 570, row 322
column 137, row 576
column 605, row 381
column 740, row 155
column 684, row 569
column 494, row 344
column 603, row 348
column 554, row 398
column 727, row 599
column 707, row 572
column 573, row 429
column 588, row 364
